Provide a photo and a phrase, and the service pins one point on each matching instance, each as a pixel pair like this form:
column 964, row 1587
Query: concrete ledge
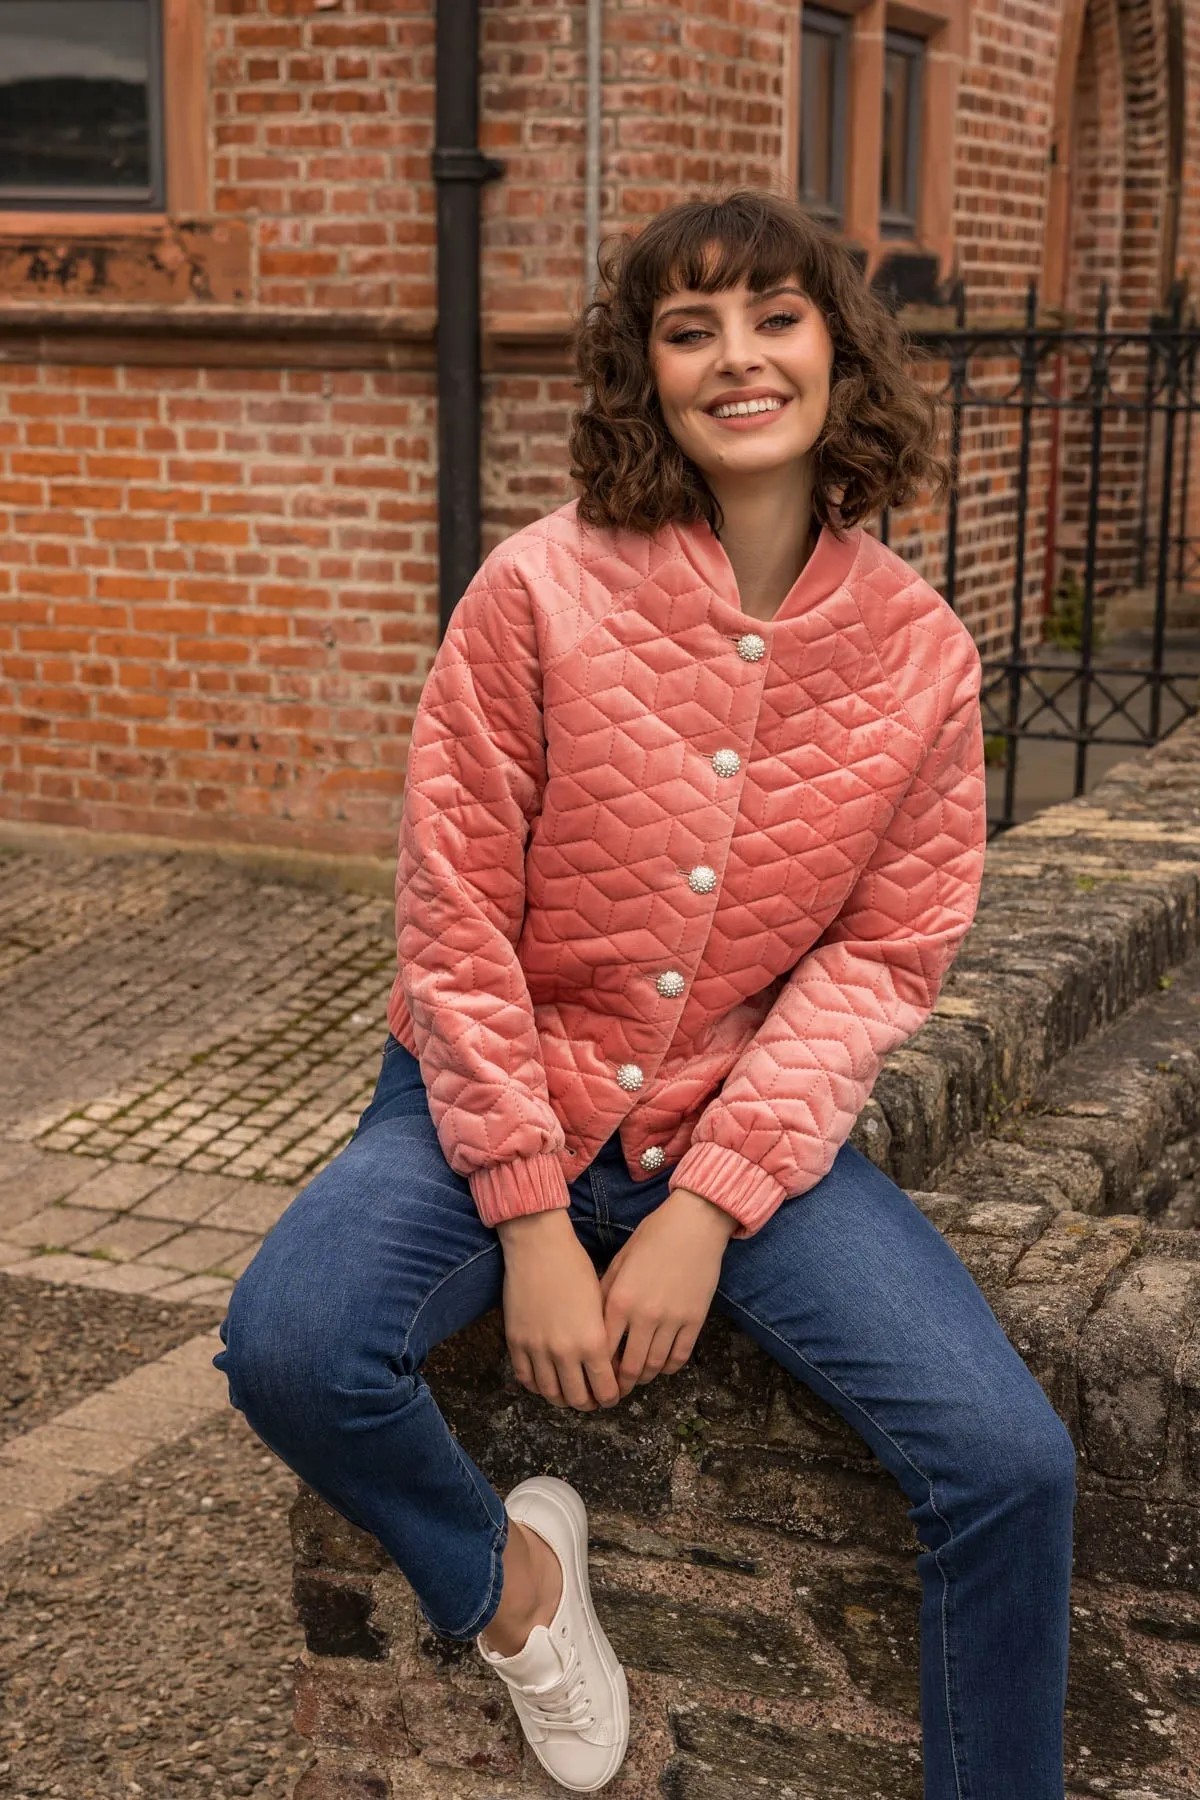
column 306, row 868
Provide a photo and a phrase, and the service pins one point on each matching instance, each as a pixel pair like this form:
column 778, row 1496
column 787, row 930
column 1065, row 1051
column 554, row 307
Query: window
column 902, row 57
column 81, row 105
column 824, row 61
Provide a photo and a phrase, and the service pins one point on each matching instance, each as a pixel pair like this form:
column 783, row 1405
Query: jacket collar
column 827, row 569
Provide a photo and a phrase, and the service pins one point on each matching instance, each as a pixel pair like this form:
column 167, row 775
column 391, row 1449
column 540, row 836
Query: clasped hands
column 565, row 1325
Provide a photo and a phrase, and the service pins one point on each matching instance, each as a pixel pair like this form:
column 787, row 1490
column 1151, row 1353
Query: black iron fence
column 1083, row 439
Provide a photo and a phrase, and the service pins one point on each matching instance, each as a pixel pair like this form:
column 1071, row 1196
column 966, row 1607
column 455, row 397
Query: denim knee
column 295, row 1362
column 1030, row 1453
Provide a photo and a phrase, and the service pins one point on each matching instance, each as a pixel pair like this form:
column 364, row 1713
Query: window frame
column 824, row 22
column 902, row 223
column 52, row 203
column 185, row 141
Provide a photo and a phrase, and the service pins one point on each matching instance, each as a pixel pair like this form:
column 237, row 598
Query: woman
column 694, row 824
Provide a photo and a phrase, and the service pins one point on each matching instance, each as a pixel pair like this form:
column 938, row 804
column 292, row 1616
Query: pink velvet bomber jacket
column 668, row 869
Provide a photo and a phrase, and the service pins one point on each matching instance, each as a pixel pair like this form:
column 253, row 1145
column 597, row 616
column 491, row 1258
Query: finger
column 616, row 1322
column 636, row 1349
column 523, row 1369
column 546, row 1377
column 602, row 1381
column 681, row 1349
column 656, row 1356
column 573, row 1385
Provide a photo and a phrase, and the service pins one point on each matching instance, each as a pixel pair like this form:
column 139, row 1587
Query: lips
column 739, row 421
column 745, row 399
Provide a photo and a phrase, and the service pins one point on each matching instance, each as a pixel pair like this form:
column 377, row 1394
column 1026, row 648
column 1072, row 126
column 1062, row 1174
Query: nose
column 738, row 348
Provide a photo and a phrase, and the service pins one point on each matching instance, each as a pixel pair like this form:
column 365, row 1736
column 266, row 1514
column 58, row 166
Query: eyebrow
column 709, row 311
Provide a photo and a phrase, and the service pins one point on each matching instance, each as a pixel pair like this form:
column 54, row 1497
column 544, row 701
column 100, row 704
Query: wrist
column 707, row 1211
column 534, row 1227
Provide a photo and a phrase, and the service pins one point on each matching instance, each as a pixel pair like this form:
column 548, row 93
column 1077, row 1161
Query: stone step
column 1114, row 1127
column 1083, row 910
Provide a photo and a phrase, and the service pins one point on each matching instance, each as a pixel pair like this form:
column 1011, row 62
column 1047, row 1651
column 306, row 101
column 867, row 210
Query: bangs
column 712, row 247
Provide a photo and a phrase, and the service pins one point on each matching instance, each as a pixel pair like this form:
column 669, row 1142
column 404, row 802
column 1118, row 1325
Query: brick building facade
column 218, row 405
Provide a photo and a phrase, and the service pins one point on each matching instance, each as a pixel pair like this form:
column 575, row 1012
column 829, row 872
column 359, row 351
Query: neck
column 768, row 534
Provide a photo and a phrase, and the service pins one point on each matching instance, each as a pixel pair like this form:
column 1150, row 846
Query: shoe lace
column 564, row 1704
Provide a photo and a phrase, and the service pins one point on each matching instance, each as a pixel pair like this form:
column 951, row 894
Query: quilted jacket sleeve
column 476, row 772
column 791, row 1100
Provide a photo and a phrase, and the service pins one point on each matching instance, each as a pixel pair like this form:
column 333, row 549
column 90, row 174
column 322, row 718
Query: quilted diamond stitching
column 565, row 780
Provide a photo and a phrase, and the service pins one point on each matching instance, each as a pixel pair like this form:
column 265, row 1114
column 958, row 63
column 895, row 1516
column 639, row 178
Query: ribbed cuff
column 509, row 1190
column 732, row 1182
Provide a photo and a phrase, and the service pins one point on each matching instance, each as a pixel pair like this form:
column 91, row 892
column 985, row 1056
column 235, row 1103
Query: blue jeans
column 849, row 1286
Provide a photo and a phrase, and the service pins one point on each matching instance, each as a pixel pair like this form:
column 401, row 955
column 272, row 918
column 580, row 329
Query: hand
column 554, row 1314
column 659, row 1286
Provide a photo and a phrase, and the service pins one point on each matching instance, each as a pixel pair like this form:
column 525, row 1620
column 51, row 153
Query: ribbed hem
column 509, row 1190
column 732, row 1182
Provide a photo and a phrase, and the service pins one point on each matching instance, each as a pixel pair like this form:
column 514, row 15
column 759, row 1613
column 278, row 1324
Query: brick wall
column 218, row 591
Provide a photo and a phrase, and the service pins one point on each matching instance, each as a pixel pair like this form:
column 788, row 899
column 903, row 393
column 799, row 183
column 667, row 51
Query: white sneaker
column 567, row 1686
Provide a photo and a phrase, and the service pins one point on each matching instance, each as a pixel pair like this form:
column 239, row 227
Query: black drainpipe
column 459, row 168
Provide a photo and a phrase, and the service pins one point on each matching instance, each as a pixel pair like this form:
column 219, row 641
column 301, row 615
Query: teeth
column 744, row 407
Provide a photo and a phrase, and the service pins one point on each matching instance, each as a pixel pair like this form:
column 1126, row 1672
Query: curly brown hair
column 877, row 446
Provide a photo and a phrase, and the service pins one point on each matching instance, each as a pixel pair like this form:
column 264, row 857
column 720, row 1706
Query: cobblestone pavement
column 185, row 1044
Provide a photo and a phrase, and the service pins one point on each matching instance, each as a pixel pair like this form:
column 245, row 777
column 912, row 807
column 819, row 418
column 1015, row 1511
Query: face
column 707, row 348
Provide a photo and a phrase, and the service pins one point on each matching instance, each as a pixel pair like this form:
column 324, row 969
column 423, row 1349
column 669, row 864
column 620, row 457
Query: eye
column 691, row 331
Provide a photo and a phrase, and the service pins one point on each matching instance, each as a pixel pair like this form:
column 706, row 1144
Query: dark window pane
column 817, row 117
column 823, row 73
column 898, row 174
column 896, row 66
column 79, row 101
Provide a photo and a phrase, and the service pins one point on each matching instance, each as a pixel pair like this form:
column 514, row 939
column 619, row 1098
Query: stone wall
column 751, row 1560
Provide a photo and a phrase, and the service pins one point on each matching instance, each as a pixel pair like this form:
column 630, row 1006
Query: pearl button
column 751, row 647
column 702, row 879
column 670, row 984
column 629, row 1076
column 653, row 1158
column 727, row 762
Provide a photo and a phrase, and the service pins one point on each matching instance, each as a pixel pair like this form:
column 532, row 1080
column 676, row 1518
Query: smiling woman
column 748, row 295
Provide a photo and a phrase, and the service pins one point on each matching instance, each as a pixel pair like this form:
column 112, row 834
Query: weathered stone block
column 726, row 1755
column 741, row 1651
column 1115, row 1717
column 471, row 1727
column 1062, row 1181
column 339, row 1703
column 1131, row 1538
column 333, row 1780
column 1080, row 1251
column 808, row 1496
column 872, row 1615
column 872, row 1135
column 321, row 1538
column 992, row 1238
column 1189, row 1391
column 335, row 1612
column 1128, row 1354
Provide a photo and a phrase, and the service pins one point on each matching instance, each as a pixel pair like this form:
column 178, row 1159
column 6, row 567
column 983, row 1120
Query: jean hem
column 488, row 1610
